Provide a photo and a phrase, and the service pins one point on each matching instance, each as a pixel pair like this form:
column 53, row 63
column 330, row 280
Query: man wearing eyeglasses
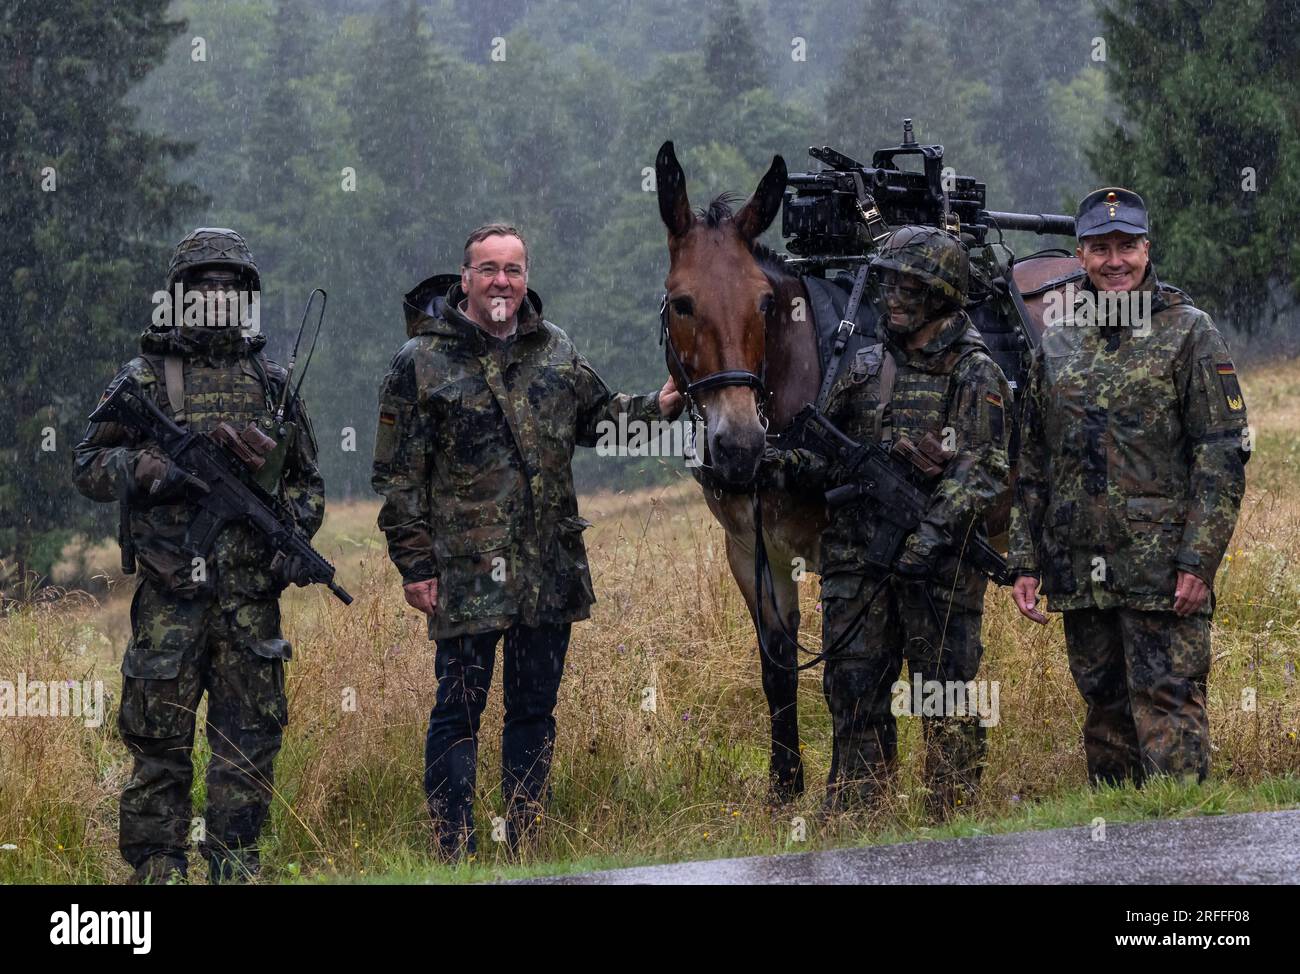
column 478, row 418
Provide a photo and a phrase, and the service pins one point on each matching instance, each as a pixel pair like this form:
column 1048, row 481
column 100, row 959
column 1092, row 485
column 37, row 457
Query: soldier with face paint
column 214, row 626
column 929, row 374
column 1132, row 469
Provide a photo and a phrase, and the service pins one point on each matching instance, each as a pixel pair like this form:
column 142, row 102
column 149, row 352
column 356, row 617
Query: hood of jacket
column 431, row 308
column 214, row 344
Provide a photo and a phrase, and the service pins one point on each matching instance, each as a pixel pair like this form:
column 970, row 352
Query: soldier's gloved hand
column 913, row 566
column 157, row 479
column 294, row 571
column 771, row 470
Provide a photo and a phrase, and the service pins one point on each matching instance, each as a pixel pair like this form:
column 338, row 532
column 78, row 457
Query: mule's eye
column 683, row 306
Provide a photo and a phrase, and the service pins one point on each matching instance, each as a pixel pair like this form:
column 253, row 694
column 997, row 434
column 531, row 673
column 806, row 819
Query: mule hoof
column 786, row 786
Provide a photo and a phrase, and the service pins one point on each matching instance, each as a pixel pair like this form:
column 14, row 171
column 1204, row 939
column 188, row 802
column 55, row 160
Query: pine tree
column 1211, row 139
column 87, row 215
column 732, row 60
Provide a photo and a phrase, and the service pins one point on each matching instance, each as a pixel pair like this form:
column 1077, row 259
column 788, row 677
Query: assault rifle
column 228, row 491
column 887, row 481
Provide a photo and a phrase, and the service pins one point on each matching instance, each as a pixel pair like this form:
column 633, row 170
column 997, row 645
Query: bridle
column 714, row 380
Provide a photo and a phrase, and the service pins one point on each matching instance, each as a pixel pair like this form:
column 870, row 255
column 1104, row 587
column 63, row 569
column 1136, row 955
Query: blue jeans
column 532, row 665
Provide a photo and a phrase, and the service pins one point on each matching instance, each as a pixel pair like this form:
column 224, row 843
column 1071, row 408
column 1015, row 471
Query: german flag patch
column 387, row 419
column 1231, row 388
column 993, row 399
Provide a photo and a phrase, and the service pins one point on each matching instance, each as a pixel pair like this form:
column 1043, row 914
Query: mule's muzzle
column 736, row 448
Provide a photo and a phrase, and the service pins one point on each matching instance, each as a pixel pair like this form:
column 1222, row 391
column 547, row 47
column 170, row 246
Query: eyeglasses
column 488, row 271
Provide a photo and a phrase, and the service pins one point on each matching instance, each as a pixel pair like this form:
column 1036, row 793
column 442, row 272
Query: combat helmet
column 933, row 255
column 213, row 246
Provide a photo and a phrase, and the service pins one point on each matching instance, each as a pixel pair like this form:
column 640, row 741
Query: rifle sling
column 174, row 378
column 881, row 430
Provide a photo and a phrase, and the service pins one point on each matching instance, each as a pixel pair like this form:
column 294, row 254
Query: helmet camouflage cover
column 209, row 246
column 935, row 256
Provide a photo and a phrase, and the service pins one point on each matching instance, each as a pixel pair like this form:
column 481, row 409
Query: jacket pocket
column 1055, row 556
column 475, row 569
column 570, row 570
column 1153, row 533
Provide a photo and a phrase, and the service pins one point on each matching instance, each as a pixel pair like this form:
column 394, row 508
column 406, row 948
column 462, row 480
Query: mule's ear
column 670, row 184
column 761, row 209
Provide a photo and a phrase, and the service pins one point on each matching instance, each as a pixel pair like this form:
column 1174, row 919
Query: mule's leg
column 780, row 679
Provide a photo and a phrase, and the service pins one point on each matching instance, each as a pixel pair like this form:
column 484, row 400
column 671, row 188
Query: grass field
column 687, row 780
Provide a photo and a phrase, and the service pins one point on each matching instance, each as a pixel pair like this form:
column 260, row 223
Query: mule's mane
column 721, row 209
column 770, row 262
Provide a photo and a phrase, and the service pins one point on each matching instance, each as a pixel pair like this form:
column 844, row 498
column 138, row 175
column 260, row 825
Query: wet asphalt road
column 1261, row 847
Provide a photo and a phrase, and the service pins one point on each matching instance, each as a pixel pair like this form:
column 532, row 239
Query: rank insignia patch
column 1231, row 388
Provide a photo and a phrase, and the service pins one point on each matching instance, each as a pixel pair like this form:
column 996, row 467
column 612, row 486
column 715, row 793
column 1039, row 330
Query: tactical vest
column 921, row 400
column 201, row 397
column 918, row 402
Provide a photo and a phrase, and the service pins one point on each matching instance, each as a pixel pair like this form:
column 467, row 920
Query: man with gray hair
column 1134, row 440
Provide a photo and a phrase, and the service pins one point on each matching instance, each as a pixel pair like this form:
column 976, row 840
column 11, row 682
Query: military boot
column 232, row 866
column 161, row 871
column 954, row 760
column 861, row 775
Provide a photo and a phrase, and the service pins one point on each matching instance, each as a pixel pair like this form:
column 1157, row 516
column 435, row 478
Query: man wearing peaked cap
column 1132, row 469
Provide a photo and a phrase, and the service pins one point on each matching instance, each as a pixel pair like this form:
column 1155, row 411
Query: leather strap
column 842, row 335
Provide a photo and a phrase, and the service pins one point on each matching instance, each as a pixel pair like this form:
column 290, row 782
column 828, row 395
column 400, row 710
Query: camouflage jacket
column 473, row 458
column 1132, row 457
column 950, row 384
column 226, row 378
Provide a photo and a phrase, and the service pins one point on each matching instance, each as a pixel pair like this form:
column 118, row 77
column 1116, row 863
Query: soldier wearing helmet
column 929, row 379
column 213, row 626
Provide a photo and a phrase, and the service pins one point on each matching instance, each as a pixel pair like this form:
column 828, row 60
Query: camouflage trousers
column 939, row 644
column 1142, row 675
column 178, row 650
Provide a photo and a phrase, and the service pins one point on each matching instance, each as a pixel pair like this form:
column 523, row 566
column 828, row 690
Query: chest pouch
column 281, row 436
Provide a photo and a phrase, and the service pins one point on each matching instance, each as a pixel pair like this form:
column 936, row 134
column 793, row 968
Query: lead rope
column 763, row 574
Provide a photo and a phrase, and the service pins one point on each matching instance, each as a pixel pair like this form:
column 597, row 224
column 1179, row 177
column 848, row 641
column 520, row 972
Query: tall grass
column 686, row 779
